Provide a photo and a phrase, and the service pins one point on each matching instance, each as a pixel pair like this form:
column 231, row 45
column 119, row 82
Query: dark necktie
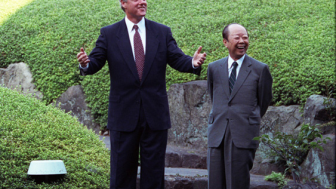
column 233, row 75
column 138, row 52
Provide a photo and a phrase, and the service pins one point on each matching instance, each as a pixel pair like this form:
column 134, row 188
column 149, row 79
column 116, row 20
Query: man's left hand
column 198, row 58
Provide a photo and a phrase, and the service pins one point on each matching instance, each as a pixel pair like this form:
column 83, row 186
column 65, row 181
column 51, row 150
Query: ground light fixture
column 46, row 170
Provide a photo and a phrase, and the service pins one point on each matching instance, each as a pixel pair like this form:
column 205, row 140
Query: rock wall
column 189, row 106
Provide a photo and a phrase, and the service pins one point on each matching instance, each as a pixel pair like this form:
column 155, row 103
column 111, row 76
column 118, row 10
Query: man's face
column 135, row 9
column 237, row 42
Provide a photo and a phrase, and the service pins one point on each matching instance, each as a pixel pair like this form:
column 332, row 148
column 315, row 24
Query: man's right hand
column 83, row 58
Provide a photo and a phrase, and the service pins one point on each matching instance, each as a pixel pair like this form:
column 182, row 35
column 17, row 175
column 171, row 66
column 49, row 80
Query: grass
column 295, row 38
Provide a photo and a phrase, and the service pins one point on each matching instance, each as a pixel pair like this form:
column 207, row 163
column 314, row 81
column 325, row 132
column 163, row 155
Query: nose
column 241, row 40
column 143, row 2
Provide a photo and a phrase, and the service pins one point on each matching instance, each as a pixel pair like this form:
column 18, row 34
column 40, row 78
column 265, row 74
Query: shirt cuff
column 84, row 69
column 193, row 65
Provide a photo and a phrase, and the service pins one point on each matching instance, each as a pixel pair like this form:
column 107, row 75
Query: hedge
column 30, row 130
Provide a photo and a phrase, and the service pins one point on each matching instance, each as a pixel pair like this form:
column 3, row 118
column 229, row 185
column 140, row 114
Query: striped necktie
column 233, row 75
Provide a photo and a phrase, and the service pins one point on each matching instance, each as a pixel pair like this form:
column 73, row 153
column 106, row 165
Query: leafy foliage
column 30, row 130
column 295, row 38
column 278, row 178
column 292, row 149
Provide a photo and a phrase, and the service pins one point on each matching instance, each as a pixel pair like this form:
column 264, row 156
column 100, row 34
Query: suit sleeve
column 265, row 90
column 97, row 56
column 177, row 59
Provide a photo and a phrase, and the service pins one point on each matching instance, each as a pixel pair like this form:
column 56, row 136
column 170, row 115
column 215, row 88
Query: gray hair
column 121, row 5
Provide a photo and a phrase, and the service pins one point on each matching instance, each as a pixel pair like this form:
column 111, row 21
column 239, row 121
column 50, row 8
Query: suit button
column 229, row 104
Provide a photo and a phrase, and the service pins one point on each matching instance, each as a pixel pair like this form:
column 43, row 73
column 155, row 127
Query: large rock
column 74, row 100
column 319, row 109
column 321, row 164
column 18, row 76
column 281, row 119
column 189, row 105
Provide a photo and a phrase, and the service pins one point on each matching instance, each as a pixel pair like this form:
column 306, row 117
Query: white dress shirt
column 239, row 62
column 141, row 30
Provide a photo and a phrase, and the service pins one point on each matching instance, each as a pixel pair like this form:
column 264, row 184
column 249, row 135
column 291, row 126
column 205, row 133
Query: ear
column 225, row 42
column 123, row 4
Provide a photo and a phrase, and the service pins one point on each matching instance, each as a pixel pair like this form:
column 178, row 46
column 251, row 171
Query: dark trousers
column 228, row 166
column 125, row 154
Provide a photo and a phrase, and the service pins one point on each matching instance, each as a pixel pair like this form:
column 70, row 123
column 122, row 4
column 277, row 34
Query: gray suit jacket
column 243, row 109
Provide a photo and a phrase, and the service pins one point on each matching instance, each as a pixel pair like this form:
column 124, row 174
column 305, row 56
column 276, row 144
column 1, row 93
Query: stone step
column 177, row 156
column 186, row 178
column 186, row 169
column 186, row 158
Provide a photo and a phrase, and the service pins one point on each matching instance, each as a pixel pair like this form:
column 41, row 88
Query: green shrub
column 295, row 38
column 278, row 178
column 291, row 150
column 30, row 130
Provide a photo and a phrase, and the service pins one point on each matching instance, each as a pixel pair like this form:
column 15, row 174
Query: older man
column 240, row 88
column 137, row 51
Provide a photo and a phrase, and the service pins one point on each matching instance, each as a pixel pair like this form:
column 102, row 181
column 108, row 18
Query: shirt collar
column 239, row 61
column 130, row 25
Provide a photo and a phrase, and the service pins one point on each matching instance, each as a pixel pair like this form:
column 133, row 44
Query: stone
column 73, row 100
column 18, row 76
column 189, row 105
column 328, row 128
column 281, row 119
column 307, row 185
column 184, row 157
column 321, row 164
column 319, row 109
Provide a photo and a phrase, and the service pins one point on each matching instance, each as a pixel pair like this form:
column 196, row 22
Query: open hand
column 198, row 58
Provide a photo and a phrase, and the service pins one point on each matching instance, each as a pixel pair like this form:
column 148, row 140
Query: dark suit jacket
column 127, row 92
column 243, row 109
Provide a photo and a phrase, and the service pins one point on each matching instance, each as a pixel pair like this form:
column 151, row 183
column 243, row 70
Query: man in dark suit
column 137, row 51
column 240, row 88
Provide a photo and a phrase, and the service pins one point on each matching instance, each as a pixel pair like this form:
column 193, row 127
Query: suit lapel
column 243, row 73
column 152, row 44
column 224, row 75
column 126, row 48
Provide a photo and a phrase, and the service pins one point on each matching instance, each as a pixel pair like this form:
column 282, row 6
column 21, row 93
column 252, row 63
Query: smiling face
column 237, row 41
column 135, row 9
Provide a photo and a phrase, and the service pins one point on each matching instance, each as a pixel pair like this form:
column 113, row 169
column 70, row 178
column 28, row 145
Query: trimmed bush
column 295, row 38
column 30, row 130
